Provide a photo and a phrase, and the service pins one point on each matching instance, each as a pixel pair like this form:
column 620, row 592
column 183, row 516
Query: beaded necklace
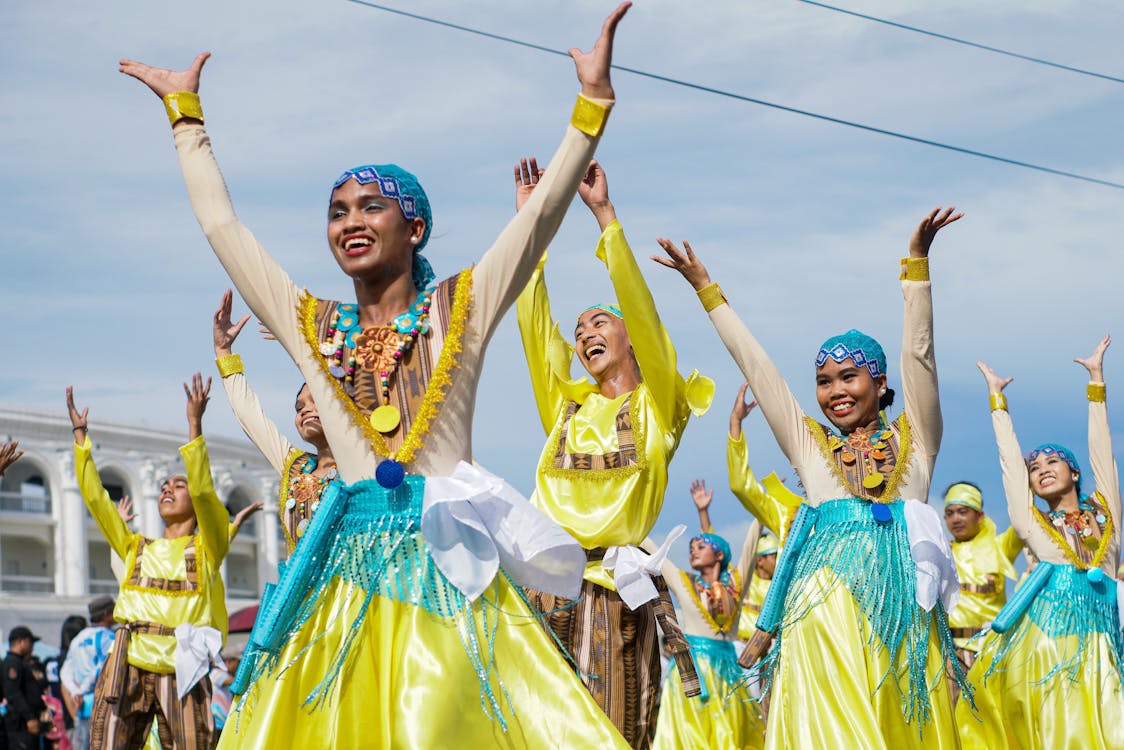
column 721, row 621
column 305, row 491
column 871, row 446
column 1077, row 523
column 376, row 349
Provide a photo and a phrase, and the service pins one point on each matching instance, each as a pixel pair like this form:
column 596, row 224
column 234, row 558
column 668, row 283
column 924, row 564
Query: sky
column 801, row 221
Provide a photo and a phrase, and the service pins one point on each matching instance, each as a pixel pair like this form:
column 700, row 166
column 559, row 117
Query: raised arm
column 267, row 289
column 918, row 362
column 1016, row 480
column 747, row 562
column 702, row 497
column 506, row 267
column 781, row 410
column 1100, row 437
column 103, row 510
column 9, row 454
column 243, row 401
column 211, row 518
column 743, row 482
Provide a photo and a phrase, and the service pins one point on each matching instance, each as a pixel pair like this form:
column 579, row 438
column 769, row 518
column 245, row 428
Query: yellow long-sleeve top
column 983, row 563
column 801, row 445
column 603, row 471
column 444, row 437
column 164, row 588
column 1044, row 541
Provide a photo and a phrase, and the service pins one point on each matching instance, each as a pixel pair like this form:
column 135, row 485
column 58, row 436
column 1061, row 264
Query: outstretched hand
column 685, row 263
column 995, row 384
column 225, row 330
column 198, row 394
column 1095, row 361
column 594, row 192
column 923, row 236
column 245, row 513
column 163, row 81
column 9, row 454
column 701, row 496
column 78, row 420
column 741, row 410
column 125, row 509
column 527, row 176
column 593, row 67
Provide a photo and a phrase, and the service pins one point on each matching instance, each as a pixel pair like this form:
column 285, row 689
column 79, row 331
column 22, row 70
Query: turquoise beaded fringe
column 722, row 658
column 873, row 562
column 1069, row 605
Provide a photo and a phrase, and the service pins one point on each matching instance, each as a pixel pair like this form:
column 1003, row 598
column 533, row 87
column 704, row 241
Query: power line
column 965, row 42
column 753, row 100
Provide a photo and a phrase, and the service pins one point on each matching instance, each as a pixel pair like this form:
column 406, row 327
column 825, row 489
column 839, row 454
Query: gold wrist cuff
column 230, row 364
column 998, row 401
column 1096, row 392
column 589, row 116
column 181, row 104
column 711, row 296
column 915, row 269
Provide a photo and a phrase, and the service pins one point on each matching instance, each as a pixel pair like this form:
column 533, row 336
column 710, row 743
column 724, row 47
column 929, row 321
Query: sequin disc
column 871, row 481
column 1095, row 575
column 385, row 418
column 880, row 512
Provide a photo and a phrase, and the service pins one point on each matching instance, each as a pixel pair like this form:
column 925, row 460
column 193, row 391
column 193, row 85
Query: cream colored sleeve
column 506, row 267
column 747, row 563
column 918, row 361
column 258, row 427
column 1016, row 480
column 1102, row 461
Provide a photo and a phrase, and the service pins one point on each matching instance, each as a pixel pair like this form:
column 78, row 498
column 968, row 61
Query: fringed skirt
column 724, row 716
column 385, row 653
column 857, row 662
column 1053, row 680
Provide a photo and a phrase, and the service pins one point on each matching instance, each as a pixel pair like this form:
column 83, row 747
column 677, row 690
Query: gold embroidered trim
column 434, row 390
column 901, row 464
column 1096, row 392
column 1108, row 533
column 735, row 616
column 283, row 495
column 605, row 474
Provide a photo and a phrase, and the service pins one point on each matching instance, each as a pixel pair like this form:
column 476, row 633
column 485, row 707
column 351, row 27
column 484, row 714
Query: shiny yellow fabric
column 723, row 721
column 614, row 506
column 985, row 554
column 164, row 558
column 771, row 503
column 751, row 606
column 408, row 683
column 1016, row 713
column 826, row 694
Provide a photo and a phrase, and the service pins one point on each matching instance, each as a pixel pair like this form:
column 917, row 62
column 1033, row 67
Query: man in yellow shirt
column 171, row 605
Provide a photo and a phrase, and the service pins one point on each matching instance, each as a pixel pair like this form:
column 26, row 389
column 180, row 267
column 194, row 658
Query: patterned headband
column 857, row 347
column 1050, row 449
column 604, row 307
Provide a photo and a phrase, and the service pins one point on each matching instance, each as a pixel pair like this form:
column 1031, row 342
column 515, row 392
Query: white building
column 53, row 558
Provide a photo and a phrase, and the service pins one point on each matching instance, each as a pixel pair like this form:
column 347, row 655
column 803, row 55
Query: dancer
column 710, row 602
column 603, row 470
column 1051, row 669
column 172, row 622
column 856, row 604
column 304, row 475
column 383, row 610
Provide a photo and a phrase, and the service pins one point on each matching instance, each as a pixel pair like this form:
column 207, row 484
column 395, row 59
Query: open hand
column 226, row 331
column 125, row 509
column 1093, row 363
column 78, row 420
column 995, row 384
column 9, row 454
column 527, row 176
column 700, row 494
column 923, row 236
column 198, row 394
column 593, row 67
column 684, row 262
column 241, row 516
column 163, row 81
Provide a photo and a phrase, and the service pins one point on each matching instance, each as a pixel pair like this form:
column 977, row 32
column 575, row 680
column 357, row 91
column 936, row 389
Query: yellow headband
column 767, row 545
column 966, row 495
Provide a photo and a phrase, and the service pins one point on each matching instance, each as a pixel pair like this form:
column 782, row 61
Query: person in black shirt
column 22, row 691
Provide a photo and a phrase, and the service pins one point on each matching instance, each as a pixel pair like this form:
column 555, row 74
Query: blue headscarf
column 1065, row 454
column 395, row 182
column 856, row 346
column 605, row 307
column 719, row 545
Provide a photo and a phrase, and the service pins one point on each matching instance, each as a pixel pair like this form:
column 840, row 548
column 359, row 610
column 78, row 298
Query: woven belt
column 964, row 632
column 118, row 662
column 990, row 587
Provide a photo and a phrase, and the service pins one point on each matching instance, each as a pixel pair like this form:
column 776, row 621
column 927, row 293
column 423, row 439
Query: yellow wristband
column 1096, row 392
column 589, row 116
column 915, row 269
column 181, row 104
column 230, row 364
column 711, row 296
column 998, row 401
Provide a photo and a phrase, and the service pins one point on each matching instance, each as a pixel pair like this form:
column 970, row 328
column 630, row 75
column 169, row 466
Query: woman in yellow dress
column 856, row 604
column 394, row 624
column 1049, row 675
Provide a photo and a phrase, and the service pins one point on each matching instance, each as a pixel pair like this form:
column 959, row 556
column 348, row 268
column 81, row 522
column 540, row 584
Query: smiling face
column 602, row 344
column 368, row 234
column 1051, row 477
column 703, row 555
column 175, row 500
column 962, row 522
column 766, row 565
column 848, row 395
column 307, row 419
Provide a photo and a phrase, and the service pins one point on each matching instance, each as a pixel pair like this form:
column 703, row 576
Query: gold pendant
column 872, row 481
column 385, row 418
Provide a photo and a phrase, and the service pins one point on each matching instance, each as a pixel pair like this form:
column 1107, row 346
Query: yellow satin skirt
column 1018, row 711
column 826, row 692
column 727, row 719
column 409, row 683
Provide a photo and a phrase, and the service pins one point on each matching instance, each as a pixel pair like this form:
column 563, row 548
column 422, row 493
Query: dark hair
column 886, row 399
column 71, row 627
column 303, row 386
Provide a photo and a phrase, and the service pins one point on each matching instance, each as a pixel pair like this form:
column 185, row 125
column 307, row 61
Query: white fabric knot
column 633, row 568
column 932, row 557
column 474, row 522
column 195, row 649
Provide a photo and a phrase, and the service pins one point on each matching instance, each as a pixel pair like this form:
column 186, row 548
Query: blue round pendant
column 390, row 474
column 1095, row 575
column 881, row 512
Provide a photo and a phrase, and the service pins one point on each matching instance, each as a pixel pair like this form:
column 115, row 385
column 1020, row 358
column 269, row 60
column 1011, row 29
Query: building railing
column 18, row 503
column 27, row 583
column 242, row 593
column 104, row 586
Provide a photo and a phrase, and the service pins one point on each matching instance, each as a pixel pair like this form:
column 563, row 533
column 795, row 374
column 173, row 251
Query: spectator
column 84, row 659
column 22, row 692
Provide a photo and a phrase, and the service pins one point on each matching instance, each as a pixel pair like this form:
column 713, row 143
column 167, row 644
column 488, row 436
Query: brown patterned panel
column 990, row 587
column 190, row 584
column 626, row 442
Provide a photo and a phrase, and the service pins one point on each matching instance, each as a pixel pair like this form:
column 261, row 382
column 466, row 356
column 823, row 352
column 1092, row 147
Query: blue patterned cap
column 1051, row 449
column 403, row 186
column 857, row 347
column 716, row 543
column 605, row 307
